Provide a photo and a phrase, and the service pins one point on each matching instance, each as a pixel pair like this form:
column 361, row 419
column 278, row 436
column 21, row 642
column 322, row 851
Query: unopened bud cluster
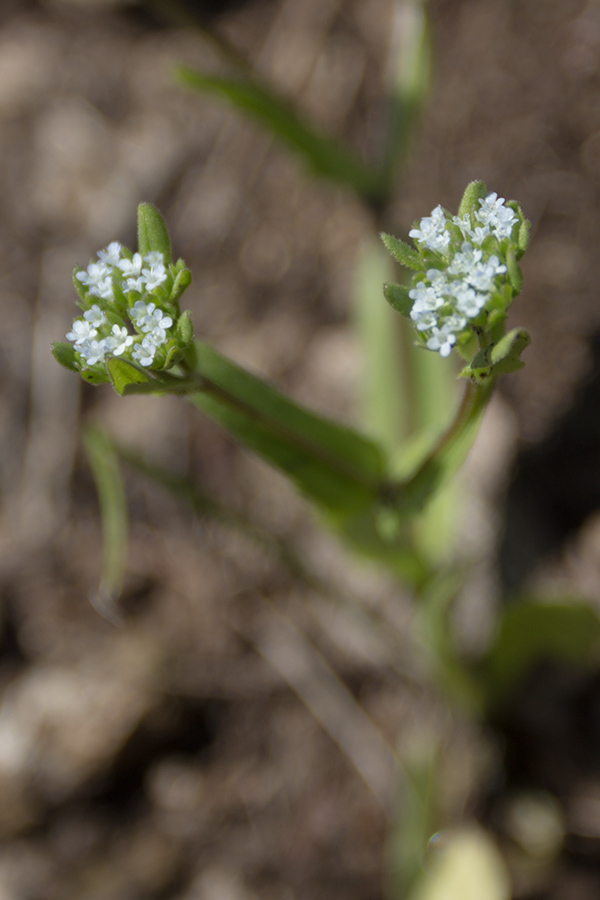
column 130, row 310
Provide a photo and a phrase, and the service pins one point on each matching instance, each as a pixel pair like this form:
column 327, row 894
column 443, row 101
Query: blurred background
column 171, row 757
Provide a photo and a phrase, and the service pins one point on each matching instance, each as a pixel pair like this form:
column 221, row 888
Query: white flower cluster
column 447, row 299
column 95, row 335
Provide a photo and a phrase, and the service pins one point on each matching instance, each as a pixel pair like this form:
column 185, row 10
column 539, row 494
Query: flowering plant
column 466, row 277
column 130, row 304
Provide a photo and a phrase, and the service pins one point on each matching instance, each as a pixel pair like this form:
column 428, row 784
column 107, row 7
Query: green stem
column 449, row 451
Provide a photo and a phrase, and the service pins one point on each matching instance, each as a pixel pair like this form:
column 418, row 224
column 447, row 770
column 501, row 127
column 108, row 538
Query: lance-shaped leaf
column 323, row 155
column 474, row 192
column 152, row 232
column 334, row 465
column 397, row 296
column 405, row 255
column 514, row 271
column 113, row 510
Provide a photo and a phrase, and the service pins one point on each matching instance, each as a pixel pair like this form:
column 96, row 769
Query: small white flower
column 131, row 267
column 92, row 351
column 438, row 281
column 432, row 231
column 104, row 289
column 488, row 208
column 82, row 332
column 482, row 276
column 503, row 221
column 154, row 258
column 465, row 260
column 442, row 341
column 479, row 234
column 117, row 342
column 138, row 311
column 94, row 275
column 154, row 276
column 156, row 318
column 425, row 321
column 464, row 223
column 134, row 284
column 112, row 254
column 151, row 320
column 95, row 316
column 145, row 352
column 426, row 300
column 454, row 323
column 468, row 302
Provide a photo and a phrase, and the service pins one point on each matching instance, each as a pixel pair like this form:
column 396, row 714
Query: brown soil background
column 169, row 758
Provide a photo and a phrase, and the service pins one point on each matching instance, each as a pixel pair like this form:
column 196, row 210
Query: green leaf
column 397, row 296
column 506, row 354
column 410, row 86
column 113, row 510
column 514, row 271
column 404, row 254
column 123, row 374
column 95, row 376
column 184, row 328
column 152, row 232
column 416, row 813
column 65, row 354
column 474, row 192
column 501, row 359
column 523, row 236
column 529, row 632
column 335, row 466
column 324, row 156
column 183, row 279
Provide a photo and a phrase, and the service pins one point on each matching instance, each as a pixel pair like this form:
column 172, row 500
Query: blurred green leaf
column 332, row 464
column 411, row 80
column 113, row 511
column 414, row 817
column 529, row 632
column 324, row 156
column 385, row 404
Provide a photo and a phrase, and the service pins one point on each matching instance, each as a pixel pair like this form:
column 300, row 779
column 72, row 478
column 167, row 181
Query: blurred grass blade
column 530, row 632
column 410, row 83
column 385, row 400
column 415, row 816
column 113, row 511
column 332, row 464
column 324, row 156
